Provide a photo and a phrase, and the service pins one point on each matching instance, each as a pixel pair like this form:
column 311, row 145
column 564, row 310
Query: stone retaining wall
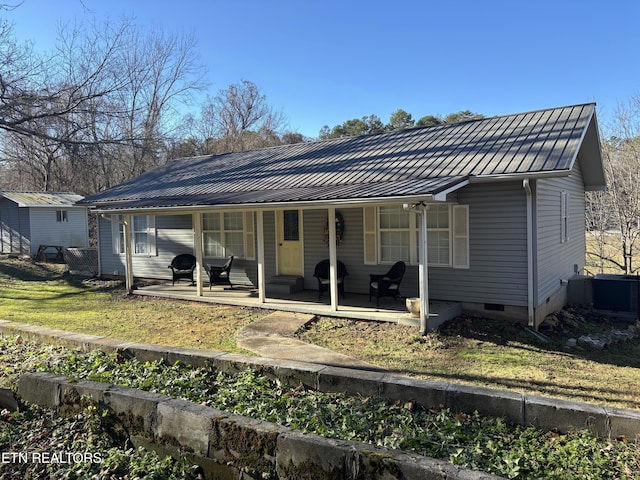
column 229, row 446
column 542, row 412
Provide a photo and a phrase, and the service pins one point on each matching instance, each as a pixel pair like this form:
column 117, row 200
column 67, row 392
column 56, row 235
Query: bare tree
column 613, row 217
column 239, row 118
column 98, row 110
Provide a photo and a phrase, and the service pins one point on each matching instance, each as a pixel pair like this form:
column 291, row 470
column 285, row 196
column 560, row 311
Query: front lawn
column 43, row 294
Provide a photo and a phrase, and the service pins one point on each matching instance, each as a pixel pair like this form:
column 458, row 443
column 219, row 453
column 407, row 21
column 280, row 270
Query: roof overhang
column 590, row 158
column 427, row 191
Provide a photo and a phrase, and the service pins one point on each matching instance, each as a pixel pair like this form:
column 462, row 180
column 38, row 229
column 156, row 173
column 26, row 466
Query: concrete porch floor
column 353, row 306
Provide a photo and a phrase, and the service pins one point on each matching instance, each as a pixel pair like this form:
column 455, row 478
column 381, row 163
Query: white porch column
column 260, row 238
column 424, row 273
column 128, row 256
column 197, row 245
column 333, row 260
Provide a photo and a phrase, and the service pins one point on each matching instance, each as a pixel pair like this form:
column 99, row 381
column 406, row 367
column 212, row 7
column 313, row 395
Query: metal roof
column 41, row 199
column 412, row 162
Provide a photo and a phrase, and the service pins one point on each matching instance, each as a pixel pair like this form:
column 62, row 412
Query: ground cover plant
column 466, row 439
column 87, row 447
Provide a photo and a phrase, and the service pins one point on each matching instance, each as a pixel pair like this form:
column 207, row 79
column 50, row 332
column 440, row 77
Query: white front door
column 289, row 238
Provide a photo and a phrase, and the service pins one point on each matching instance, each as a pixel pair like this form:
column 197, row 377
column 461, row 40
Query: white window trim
column 248, row 234
column 117, row 228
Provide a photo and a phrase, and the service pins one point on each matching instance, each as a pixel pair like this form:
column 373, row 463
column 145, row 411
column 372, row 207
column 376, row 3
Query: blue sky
column 322, row 63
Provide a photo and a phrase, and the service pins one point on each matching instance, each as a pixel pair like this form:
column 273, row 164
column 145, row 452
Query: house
column 488, row 213
column 29, row 220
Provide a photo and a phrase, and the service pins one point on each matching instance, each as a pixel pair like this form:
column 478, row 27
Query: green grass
column 43, row 294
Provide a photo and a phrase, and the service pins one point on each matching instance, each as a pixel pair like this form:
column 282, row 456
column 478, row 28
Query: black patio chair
column 183, row 266
column 321, row 272
column 387, row 284
column 220, row 275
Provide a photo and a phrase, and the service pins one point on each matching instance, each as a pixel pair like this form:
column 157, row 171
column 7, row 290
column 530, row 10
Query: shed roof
column 406, row 163
column 41, row 199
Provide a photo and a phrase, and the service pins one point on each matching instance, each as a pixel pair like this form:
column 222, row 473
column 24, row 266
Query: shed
column 29, row 220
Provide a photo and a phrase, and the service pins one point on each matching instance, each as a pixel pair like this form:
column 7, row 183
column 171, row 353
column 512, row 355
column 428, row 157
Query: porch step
column 284, row 284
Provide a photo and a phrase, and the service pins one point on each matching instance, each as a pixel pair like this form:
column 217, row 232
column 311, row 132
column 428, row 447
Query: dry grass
column 494, row 354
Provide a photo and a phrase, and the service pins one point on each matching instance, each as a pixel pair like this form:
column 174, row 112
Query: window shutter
column 461, row 236
column 370, row 236
column 564, row 217
column 151, row 235
column 249, row 237
column 115, row 234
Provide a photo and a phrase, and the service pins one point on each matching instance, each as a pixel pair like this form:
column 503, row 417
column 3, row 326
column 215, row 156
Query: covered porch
column 353, row 306
column 286, row 242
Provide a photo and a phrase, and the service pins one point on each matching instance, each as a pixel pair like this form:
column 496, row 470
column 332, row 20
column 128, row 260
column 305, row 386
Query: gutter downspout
column 98, row 233
column 128, row 254
column 530, row 276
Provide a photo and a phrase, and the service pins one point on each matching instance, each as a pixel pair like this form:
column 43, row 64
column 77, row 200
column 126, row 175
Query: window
column 291, row 226
column 143, row 235
column 228, row 233
column 62, row 216
column 564, row 217
column 438, row 235
column 395, row 235
column 392, row 234
column 140, row 234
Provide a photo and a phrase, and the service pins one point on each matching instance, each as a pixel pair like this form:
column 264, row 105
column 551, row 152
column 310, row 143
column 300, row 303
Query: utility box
column 618, row 293
column 580, row 290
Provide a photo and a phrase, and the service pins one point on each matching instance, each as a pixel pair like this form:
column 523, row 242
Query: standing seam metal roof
column 416, row 161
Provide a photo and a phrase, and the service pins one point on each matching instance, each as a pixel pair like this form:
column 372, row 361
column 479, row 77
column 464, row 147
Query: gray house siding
column 174, row 235
column 14, row 228
column 558, row 260
column 497, row 272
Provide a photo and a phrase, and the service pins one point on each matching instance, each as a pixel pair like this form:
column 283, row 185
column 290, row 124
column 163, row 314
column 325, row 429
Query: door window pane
column 291, row 226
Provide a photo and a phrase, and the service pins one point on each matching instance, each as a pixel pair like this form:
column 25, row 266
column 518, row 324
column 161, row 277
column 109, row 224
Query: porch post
column 197, row 245
column 333, row 269
column 424, row 273
column 128, row 258
column 261, row 275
